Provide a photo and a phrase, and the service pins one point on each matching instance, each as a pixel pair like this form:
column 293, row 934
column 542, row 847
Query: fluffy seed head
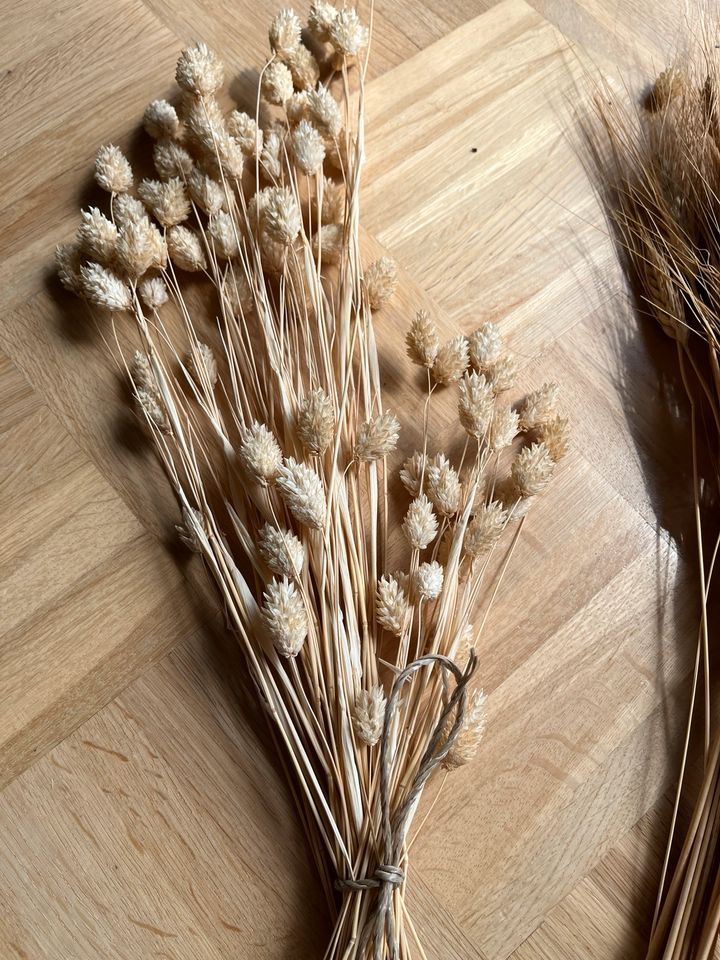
column 668, row 85
column 171, row 159
column 531, row 469
column 485, row 528
column 316, row 422
column 202, row 365
column 270, row 153
column 285, row 615
column 420, row 525
column 127, row 209
column 502, row 373
column 302, row 490
column 428, row 581
column 347, row 35
column 284, row 33
column 485, row 346
column 475, row 404
column 141, row 372
column 112, row 170
column 103, row 288
column 67, row 261
column 554, row 434
column 414, row 468
column 282, row 551
column 304, row 68
column 443, row 485
column 329, row 241
column 280, row 218
column 320, row 20
column 199, row 71
column 152, row 409
column 392, row 605
column 504, row 427
column 167, row 200
column 205, row 192
column 470, row 734
column 369, row 715
column 221, row 228
column 161, row 120
column 324, row 111
column 97, row 236
column 377, row 437
column 246, row 131
column 296, row 108
column 451, row 361
column 307, row 147
column 137, row 247
column 277, row 83
column 153, row 292
column 380, row 281
column 539, row 407
column 185, row 249
column 333, row 201
column 422, row 340
column 259, row 452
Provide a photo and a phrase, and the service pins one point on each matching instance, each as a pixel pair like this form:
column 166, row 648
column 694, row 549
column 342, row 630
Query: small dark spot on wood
column 473, row 149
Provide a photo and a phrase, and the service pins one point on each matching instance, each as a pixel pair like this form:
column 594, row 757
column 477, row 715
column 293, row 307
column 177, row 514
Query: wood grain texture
column 141, row 833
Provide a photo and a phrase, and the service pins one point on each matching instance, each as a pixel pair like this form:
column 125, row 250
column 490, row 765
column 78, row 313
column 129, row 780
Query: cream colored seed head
column 504, row 427
column 485, row 528
column 369, row 715
column 67, row 261
column 205, row 192
column 420, row 525
column 236, row 295
column 554, row 434
column 539, row 406
column 202, row 365
column 171, row 159
column 277, row 83
column 102, row 288
column 302, row 490
column 333, row 201
column 377, row 437
column 127, row 209
column 221, row 227
column 392, row 605
column 414, row 468
column 141, row 373
column 501, row 374
column 329, row 242
column 443, row 486
column 246, row 131
column 161, row 120
column 282, row 551
column 280, row 217
column 316, row 422
column 307, row 147
column 380, row 281
column 485, row 346
column 199, row 71
column 270, row 154
column 286, row 617
column 167, row 200
column 531, row 470
column 475, row 404
column 324, row 111
column 137, row 247
column 303, row 68
column 422, row 340
column 451, row 361
column 347, row 35
column 153, row 292
column 259, row 452
column 97, row 236
column 204, row 120
column 296, row 108
column 112, row 170
column 428, row 581
column 189, row 531
column 471, row 733
column 320, row 20
column 185, row 249
column 284, row 33
column 151, row 407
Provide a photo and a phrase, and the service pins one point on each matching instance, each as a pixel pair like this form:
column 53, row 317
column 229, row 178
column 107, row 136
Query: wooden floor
column 142, row 813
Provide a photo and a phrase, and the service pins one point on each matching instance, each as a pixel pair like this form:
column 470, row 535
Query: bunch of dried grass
column 275, row 442
column 658, row 170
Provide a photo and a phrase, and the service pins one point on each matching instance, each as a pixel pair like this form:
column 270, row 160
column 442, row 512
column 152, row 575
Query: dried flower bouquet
column 275, row 441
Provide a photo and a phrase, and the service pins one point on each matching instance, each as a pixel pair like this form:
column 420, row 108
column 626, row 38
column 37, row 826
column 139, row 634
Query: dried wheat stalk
column 275, row 442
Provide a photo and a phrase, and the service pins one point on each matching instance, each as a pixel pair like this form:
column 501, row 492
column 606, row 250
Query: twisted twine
column 380, row 925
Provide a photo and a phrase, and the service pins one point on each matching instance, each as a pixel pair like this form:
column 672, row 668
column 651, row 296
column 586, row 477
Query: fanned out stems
column 270, row 424
column 658, row 169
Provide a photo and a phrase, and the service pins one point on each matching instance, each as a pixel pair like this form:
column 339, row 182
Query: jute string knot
column 380, row 925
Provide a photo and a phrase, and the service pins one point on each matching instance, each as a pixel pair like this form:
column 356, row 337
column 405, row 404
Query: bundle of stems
column 239, row 271
column 658, row 168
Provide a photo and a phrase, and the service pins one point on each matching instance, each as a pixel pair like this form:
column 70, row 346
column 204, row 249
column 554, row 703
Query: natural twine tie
column 380, row 925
